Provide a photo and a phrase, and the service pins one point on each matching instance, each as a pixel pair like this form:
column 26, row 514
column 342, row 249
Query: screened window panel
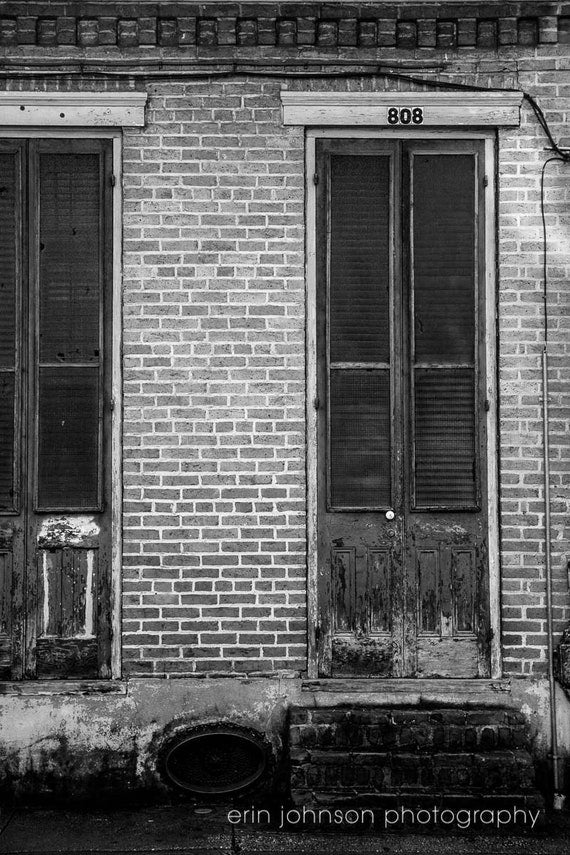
column 359, row 438
column 7, row 440
column 68, row 442
column 444, row 250
column 444, row 427
column 70, row 268
column 359, row 258
column 8, row 258
column 9, row 237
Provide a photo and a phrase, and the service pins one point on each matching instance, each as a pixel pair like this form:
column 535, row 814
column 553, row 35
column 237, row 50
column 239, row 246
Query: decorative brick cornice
column 286, row 26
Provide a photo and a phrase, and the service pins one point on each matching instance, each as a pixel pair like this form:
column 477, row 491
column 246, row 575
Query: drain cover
column 216, row 761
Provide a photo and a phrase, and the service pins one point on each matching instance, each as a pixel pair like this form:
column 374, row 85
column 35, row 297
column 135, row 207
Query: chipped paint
column 452, row 530
column 89, row 605
column 45, row 577
column 64, row 530
column 7, row 537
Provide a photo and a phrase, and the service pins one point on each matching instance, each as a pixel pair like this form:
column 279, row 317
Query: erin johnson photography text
column 396, row 817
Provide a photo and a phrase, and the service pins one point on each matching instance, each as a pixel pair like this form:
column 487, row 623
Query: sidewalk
column 186, row 830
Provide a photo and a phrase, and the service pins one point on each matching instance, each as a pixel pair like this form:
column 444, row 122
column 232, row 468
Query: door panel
column 401, row 441
column 360, row 570
column 366, row 564
column 55, row 513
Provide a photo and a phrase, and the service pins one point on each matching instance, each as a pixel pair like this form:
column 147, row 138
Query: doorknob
column 390, row 515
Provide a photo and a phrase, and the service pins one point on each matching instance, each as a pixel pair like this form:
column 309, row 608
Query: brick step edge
column 377, row 729
column 477, row 773
column 367, row 714
column 370, row 738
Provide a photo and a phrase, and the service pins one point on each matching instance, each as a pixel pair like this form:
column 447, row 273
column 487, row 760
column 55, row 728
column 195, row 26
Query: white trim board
column 73, row 109
column 438, row 109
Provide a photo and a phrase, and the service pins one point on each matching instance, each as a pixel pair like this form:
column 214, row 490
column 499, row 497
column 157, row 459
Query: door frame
column 115, row 357
column 312, row 403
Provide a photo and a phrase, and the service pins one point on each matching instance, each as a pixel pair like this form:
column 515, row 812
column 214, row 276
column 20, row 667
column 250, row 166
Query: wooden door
column 55, row 264
column 401, row 431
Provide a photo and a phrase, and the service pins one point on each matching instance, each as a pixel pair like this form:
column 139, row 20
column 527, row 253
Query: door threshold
column 406, row 692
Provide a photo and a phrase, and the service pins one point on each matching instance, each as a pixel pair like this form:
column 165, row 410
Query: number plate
column 405, row 116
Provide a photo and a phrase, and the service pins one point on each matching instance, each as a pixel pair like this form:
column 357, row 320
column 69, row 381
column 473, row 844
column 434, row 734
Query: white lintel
column 72, row 109
column 443, row 109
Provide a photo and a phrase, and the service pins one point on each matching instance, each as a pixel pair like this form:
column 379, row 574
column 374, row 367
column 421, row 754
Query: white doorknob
column 390, row 515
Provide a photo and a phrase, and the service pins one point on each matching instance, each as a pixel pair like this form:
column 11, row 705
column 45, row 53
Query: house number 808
column 405, row 116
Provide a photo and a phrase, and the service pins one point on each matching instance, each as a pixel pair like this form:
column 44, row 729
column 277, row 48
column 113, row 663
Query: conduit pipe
column 558, row 796
column 558, row 800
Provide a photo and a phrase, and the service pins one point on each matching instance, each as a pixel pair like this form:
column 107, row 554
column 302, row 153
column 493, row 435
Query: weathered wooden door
column 55, row 264
column 402, row 559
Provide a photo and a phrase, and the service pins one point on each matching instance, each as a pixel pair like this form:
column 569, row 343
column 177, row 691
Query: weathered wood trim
column 471, row 109
column 494, row 568
column 447, row 691
column 63, row 687
column 116, row 414
column 73, row 109
column 311, row 383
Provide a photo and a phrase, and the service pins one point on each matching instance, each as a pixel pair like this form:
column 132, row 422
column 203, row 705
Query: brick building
column 276, row 341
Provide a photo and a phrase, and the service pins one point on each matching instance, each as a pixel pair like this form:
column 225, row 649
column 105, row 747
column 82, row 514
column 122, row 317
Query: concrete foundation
column 98, row 741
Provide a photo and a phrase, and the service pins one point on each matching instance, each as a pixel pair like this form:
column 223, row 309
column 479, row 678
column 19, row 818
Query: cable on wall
column 559, row 798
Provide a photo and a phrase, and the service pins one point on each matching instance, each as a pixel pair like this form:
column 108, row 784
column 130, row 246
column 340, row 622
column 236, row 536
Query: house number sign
column 405, row 116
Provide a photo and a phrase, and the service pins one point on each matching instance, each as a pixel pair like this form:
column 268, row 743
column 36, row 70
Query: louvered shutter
column 10, row 267
column 70, row 284
column 444, row 276
column 359, row 331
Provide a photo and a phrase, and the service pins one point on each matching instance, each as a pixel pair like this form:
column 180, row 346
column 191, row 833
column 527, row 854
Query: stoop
column 357, row 753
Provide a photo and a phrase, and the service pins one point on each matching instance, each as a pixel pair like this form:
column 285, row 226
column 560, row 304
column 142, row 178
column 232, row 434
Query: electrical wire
column 296, row 70
column 560, row 159
column 563, row 153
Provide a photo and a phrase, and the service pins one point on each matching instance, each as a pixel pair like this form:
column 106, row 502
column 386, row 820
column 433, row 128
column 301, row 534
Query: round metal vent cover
column 216, row 760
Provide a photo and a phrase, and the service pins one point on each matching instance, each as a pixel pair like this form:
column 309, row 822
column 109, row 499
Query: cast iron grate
column 217, row 761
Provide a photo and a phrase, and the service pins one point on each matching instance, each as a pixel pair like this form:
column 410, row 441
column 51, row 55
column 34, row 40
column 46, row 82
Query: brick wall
column 214, row 378
column 214, row 489
column 214, row 383
column 521, row 330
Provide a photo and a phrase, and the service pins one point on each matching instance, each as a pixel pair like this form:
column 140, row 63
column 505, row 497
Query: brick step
column 500, row 772
column 407, row 729
column 371, row 755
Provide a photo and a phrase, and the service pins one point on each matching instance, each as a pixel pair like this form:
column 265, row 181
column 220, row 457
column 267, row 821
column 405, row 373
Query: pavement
column 185, row 829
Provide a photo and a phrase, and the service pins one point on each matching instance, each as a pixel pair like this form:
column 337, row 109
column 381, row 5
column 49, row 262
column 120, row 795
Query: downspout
column 558, row 796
